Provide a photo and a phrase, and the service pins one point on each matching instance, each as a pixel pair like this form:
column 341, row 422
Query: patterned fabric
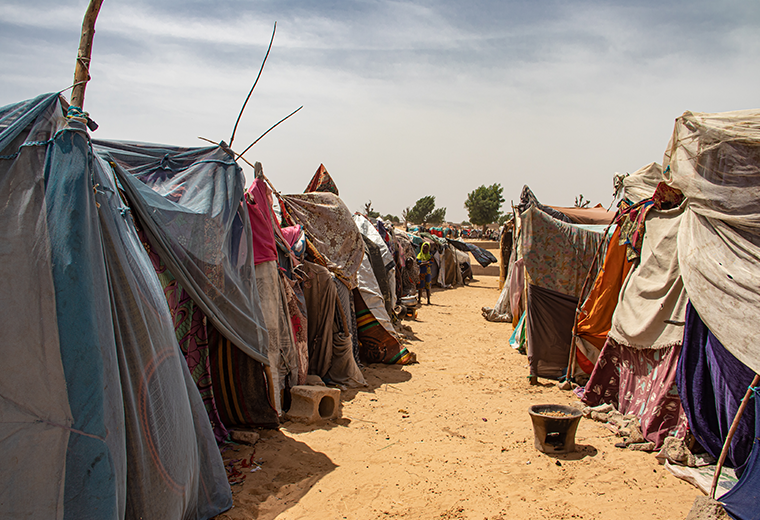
column 331, row 229
column 322, row 182
column 641, row 383
column 192, row 336
column 631, row 217
column 300, row 327
column 558, row 255
column 425, row 276
column 377, row 345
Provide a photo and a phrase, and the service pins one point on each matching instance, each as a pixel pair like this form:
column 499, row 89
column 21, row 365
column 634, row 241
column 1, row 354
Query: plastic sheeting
column 368, row 230
column 189, row 203
column 99, row 417
column 714, row 159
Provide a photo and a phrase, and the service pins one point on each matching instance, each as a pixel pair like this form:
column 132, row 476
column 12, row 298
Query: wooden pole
column 731, row 432
column 82, row 69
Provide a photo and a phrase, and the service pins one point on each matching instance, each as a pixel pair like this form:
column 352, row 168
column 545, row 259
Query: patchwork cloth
column 639, row 382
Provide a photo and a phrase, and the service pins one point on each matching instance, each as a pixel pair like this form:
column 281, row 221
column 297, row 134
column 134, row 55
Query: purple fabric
column 741, row 501
column 712, row 384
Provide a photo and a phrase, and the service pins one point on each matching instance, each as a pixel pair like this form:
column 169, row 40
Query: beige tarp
column 714, row 160
column 651, row 308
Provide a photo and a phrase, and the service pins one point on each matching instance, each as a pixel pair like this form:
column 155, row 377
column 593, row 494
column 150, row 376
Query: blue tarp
column 99, row 417
column 188, row 202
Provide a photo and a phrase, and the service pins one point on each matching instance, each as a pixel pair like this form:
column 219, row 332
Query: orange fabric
column 596, row 316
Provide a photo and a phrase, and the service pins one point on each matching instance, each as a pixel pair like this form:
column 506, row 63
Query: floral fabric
column 322, row 182
column 329, row 225
column 558, row 255
column 639, row 382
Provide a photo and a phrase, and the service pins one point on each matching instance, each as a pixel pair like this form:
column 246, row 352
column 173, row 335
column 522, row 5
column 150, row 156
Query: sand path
column 451, row 438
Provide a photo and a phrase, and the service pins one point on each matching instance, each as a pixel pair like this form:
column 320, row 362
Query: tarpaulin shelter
column 594, row 318
column 99, row 417
column 714, row 159
column 187, row 202
column 557, row 258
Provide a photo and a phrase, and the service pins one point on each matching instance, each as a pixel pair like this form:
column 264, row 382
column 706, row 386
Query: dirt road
column 451, row 438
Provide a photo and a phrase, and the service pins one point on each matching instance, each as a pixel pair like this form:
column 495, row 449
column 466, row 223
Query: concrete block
column 313, row 380
column 244, row 437
column 310, row 404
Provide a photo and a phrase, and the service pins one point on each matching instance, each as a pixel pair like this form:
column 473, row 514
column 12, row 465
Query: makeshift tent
column 593, row 320
column 714, row 160
column 557, row 258
column 636, row 367
column 99, row 417
column 187, row 202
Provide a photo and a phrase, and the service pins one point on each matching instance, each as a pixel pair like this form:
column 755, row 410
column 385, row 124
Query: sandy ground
column 450, row 438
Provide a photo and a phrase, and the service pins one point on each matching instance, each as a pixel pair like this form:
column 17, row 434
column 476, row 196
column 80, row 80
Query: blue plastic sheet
column 99, row 417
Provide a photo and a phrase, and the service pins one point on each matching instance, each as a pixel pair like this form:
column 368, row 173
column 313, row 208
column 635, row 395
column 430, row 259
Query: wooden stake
column 731, row 432
column 82, row 69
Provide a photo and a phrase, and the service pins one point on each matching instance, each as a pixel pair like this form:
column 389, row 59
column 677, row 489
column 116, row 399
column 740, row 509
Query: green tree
column 484, row 205
column 424, row 212
column 391, row 218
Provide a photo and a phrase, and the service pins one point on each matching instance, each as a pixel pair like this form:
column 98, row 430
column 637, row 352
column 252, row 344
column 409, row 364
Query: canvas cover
column 651, row 309
column 99, row 417
column 642, row 183
column 188, row 202
column 714, row 159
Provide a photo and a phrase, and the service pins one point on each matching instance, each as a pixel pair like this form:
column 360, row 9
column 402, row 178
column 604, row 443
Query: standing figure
column 424, row 259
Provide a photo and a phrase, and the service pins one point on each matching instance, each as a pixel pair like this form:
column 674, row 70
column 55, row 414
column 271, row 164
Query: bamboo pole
column 82, row 68
column 731, row 432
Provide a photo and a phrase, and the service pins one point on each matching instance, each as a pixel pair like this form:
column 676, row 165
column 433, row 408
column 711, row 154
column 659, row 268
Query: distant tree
column 391, row 218
column 580, row 202
column 484, row 205
column 405, row 214
column 425, row 212
column 466, row 223
column 369, row 211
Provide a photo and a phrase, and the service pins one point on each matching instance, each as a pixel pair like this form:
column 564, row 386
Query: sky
column 401, row 99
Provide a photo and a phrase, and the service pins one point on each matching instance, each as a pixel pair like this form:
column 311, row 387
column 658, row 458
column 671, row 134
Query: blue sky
column 401, row 99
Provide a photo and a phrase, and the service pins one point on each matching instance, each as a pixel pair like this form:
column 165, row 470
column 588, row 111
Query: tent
column 594, row 318
column 99, row 416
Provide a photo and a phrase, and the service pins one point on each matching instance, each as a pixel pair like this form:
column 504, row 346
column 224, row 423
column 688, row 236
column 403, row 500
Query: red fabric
column 260, row 214
column 640, row 382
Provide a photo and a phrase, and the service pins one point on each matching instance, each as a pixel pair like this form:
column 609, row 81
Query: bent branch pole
column 82, row 69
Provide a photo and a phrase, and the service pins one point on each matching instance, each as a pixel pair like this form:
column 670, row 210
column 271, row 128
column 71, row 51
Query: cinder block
column 310, row 404
column 245, row 437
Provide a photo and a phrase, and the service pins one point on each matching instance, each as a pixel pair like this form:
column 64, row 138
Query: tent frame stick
column 731, row 432
column 82, row 68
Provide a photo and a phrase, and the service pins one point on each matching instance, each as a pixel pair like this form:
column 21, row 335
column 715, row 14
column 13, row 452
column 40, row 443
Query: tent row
column 650, row 308
column 152, row 305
